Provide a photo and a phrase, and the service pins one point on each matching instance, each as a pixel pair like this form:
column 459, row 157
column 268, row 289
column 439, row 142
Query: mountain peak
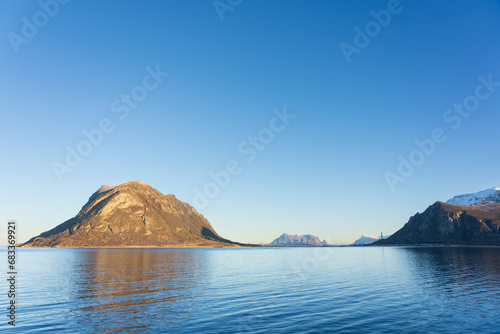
column 111, row 186
column 132, row 214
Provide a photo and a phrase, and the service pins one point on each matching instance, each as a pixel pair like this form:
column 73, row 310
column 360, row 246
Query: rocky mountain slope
column 298, row 240
column 132, row 214
column 445, row 223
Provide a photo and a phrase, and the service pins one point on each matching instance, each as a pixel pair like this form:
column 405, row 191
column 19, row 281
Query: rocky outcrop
column 298, row 240
column 132, row 214
column 444, row 223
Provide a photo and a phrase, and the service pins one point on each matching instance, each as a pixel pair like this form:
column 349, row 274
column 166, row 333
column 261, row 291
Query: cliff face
column 298, row 240
column 132, row 214
column 451, row 224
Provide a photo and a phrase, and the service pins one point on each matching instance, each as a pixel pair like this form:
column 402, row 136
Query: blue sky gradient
column 323, row 174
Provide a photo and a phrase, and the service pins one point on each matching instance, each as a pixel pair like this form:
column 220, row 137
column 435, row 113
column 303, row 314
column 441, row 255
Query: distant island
column 307, row 240
column 471, row 219
column 366, row 240
column 133, row 214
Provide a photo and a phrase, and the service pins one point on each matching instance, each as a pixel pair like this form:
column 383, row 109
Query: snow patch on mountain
column 491, row 195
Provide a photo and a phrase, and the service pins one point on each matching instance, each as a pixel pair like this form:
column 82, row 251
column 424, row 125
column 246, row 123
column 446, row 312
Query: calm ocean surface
column 267, row 290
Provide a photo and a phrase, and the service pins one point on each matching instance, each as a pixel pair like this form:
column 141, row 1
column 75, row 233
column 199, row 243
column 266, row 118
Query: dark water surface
column 266, row 290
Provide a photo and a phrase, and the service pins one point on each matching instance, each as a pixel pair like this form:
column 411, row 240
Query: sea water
column 256, row 290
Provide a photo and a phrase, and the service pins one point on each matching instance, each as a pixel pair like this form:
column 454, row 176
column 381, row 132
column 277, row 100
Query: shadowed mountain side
column 133, row 214
column 444, row 223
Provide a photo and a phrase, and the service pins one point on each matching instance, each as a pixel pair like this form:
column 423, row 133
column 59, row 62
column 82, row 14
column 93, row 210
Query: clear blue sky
column 323, row 174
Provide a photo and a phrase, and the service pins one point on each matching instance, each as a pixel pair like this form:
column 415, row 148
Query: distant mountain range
column 470, row 219
column 307, row 240
column 133, row 214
